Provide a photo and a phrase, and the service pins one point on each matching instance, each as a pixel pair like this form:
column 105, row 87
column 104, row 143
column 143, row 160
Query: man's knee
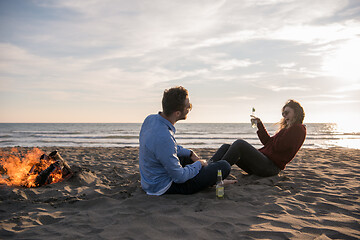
column 225, row 167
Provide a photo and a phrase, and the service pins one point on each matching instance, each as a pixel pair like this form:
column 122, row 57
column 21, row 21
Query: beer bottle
column 219, row 185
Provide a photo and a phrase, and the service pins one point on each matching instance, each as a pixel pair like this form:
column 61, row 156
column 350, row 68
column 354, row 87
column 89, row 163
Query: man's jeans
column 248, row 158
column 207, row 177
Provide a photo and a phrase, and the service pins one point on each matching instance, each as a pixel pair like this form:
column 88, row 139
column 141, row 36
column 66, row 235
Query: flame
column 16, row 169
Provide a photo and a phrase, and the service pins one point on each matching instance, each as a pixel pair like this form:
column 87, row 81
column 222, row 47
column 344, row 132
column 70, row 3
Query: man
column 165, row 166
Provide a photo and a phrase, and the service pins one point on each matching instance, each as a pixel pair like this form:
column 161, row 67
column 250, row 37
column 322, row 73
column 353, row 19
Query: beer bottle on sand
column 219, row 185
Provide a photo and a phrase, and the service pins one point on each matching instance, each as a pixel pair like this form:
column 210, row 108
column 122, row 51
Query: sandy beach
column 315, row 197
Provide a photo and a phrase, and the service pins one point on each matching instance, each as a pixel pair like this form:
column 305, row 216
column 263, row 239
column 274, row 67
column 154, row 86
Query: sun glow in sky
column 344, row 62
column 110, row 61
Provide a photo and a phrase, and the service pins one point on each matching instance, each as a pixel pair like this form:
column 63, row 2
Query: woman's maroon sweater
column 283, row 146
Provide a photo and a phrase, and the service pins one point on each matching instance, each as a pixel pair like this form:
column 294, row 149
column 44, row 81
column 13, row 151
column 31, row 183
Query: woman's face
column 289, row 115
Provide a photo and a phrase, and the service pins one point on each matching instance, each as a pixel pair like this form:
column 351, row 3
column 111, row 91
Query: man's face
column 186, row 110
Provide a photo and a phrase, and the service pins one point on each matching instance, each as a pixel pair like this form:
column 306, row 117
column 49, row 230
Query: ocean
column 190, row 135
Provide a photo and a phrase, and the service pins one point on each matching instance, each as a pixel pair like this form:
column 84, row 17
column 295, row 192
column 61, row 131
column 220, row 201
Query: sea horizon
column 190, row 135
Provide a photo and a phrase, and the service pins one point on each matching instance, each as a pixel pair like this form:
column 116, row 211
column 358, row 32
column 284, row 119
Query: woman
column 278, row 150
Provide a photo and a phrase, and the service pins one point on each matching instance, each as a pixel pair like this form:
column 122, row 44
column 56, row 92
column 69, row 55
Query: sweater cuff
column 184, row 152
column 197, row 165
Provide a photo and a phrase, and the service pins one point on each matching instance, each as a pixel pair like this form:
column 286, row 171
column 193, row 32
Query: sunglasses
column 189, row 107
column 284, row 113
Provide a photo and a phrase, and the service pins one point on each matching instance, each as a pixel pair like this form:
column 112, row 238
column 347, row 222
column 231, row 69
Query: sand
column 316, row 197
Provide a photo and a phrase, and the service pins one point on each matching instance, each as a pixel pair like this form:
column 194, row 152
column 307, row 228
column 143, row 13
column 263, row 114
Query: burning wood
column 34, row 170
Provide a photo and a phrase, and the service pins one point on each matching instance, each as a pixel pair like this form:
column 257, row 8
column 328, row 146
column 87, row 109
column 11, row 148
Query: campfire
column 35, row 169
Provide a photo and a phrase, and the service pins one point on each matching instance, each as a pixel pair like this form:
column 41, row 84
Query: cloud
column 240, row 36
column 343, row 61
column 287, row 65
column 144, row 26
column 330, row 96
column 67, row 78
column 335, row 102
column 280, row 89
column 234, row 63
column 317, row 34
column 348, row 88
column 125, row 51
column 246, row 98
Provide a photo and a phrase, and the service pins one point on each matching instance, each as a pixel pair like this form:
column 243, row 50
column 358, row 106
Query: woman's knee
column 225, row 147
column 240, row 143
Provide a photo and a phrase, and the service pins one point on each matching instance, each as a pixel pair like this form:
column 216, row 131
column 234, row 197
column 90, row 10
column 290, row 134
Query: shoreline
column 316, row 196
column 50, row 148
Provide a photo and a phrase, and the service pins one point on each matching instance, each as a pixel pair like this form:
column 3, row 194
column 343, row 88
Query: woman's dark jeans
column 248, row 158
column 207, row 177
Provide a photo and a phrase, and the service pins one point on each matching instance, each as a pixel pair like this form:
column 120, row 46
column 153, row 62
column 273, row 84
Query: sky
column 110, row 61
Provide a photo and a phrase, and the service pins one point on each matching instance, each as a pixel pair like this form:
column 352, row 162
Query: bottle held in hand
column 219, row 185
column 253, row 118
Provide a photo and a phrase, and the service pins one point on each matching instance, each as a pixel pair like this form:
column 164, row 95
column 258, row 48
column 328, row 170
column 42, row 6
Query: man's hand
column 194, row 157
column 203, row 162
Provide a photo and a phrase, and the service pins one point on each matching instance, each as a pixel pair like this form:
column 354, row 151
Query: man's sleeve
column 182, row 152
column 166, row 152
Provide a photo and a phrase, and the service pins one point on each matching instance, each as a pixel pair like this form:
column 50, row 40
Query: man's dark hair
column 174, row 100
